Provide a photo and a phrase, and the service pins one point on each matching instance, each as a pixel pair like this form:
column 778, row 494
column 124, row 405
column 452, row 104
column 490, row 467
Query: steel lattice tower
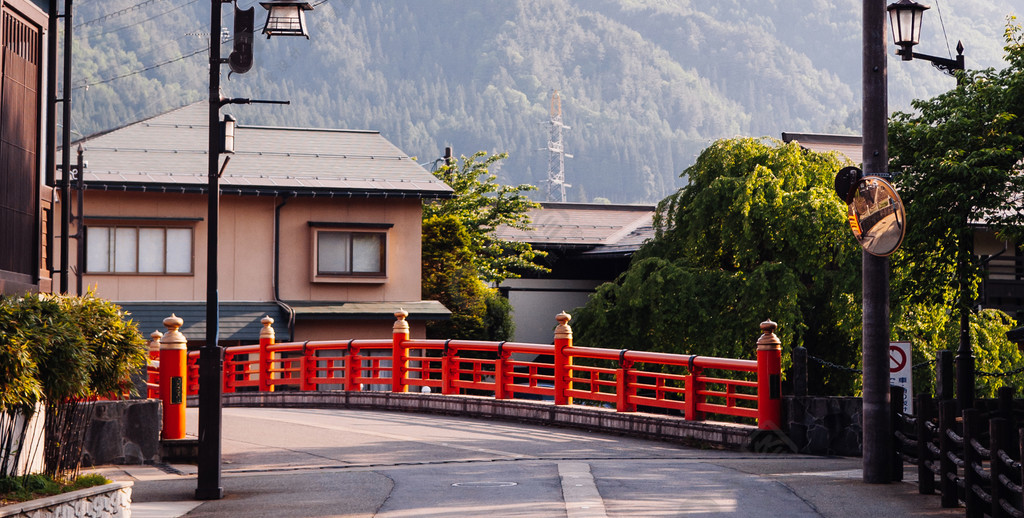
column 556, row 152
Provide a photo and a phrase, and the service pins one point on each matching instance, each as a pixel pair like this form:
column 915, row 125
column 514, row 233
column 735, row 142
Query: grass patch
column 30, row 487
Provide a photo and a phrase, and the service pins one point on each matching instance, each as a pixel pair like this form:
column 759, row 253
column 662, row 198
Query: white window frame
column 381, row 231
column 139, row 255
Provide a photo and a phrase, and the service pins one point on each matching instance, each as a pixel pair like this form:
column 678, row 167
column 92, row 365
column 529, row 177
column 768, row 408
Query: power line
column 943, row 24
column 147, row 69
column 115, row 14
column 186, row 4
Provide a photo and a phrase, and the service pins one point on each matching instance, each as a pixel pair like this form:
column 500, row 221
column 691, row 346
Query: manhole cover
column 484, row 484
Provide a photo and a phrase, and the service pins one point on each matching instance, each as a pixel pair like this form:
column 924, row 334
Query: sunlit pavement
column 318, row 462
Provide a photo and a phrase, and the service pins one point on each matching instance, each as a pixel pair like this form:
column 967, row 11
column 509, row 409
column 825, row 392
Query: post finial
column 400, row 323
column 769, row 341
column 154, row 341
column 563, row 330
column 173, row 339
column 173, row 322
column 267, row 331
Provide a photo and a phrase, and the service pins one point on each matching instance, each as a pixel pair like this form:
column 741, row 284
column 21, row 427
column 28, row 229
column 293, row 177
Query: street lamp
column 211, row 355
column 286, row 18
column 906, row 19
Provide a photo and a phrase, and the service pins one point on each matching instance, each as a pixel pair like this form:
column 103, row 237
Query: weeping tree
column 757, row 233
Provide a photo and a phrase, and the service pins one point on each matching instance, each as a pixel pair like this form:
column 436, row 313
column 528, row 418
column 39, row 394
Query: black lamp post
column 906, row 19
column 211, row 355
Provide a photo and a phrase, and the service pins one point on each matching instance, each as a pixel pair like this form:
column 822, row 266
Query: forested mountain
column 645, row 84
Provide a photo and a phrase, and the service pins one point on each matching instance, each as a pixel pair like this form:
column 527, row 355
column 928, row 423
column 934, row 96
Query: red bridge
column 695, row 387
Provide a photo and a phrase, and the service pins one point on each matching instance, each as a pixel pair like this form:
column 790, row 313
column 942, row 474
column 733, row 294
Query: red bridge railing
column 628, row 381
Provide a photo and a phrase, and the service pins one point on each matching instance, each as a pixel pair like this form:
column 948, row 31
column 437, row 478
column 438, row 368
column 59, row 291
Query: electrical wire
column 115, row 14
column 186, row 4
column 147, row 69
column 938, row 8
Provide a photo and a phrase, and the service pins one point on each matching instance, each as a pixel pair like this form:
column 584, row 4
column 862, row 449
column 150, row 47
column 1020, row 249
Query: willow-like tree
column 758, row 233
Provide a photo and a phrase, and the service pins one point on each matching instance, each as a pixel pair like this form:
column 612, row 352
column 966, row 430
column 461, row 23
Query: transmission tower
column 556, row 152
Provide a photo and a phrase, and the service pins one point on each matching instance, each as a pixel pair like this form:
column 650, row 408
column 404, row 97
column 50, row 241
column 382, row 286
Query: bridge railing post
column 501, row 372
column 153, row 372
column 352, row 367
column 173, row 349
column 693, row 395
column 230, row 372
column 307, row 369
column 623, row 384
column 449, row 365
column 769, row 378
column 562, row 361
column 399, row 335
column 266, row 357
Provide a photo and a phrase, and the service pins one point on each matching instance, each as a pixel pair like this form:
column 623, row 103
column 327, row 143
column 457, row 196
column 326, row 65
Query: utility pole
column 874, row 269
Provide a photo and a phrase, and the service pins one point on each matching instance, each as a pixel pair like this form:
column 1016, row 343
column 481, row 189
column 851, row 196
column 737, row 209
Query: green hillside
column 645, row 84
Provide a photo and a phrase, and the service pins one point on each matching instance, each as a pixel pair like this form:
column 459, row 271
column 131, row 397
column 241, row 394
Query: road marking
column 579, row 492
column 163, row 509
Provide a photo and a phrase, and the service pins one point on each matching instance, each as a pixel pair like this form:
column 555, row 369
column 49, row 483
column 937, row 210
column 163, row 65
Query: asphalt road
column 313, row 463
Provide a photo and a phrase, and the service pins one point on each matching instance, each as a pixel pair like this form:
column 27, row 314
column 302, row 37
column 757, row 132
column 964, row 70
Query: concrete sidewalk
column 312, row 463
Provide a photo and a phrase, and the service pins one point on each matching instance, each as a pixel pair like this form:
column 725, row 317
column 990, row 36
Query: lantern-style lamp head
column 286, row 18
column 228, row 129
column 905, row 19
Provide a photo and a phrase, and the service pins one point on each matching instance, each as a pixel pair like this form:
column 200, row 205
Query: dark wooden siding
column 19, row 146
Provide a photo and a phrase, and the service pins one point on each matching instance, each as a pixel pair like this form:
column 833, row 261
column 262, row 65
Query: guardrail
column 628, row 381
column 975, row 453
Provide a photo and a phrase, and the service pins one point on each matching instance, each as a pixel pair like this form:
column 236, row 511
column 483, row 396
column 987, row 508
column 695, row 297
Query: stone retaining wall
column 824, row 425
column 110, row 500
column 123, row 432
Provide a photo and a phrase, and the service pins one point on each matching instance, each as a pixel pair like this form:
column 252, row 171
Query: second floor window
column 350, row 253
column 142, row 250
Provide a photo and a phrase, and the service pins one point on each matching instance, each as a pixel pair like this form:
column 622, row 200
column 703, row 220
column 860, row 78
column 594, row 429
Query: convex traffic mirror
column 875, row 211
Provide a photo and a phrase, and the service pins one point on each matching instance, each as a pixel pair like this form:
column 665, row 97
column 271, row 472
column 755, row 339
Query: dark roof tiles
column 171, row 150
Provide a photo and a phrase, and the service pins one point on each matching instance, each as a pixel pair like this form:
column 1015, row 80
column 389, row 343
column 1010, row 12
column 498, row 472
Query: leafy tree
column 959, row 163
column 481, row 205
column 758, row 233
column 448, row 276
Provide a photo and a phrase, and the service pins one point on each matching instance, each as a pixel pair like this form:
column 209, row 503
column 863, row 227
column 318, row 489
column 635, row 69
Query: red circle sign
column 897, row 359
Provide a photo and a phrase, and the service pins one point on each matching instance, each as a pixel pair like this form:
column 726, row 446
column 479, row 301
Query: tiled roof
column 601, row 227
column 417, row 309
column 238, row 320
column 849, row 145
column 169, row 153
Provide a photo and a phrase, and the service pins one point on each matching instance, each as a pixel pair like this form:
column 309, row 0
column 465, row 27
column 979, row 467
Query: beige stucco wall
column 337, row 329
column 246, row 247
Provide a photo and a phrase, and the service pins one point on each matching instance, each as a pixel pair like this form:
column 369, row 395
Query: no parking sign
column 901, row 373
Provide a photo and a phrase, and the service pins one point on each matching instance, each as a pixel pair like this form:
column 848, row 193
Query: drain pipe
column 277, row 269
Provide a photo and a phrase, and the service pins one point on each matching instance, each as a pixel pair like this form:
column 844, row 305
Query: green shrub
column 61, row 350
column 28, row 487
